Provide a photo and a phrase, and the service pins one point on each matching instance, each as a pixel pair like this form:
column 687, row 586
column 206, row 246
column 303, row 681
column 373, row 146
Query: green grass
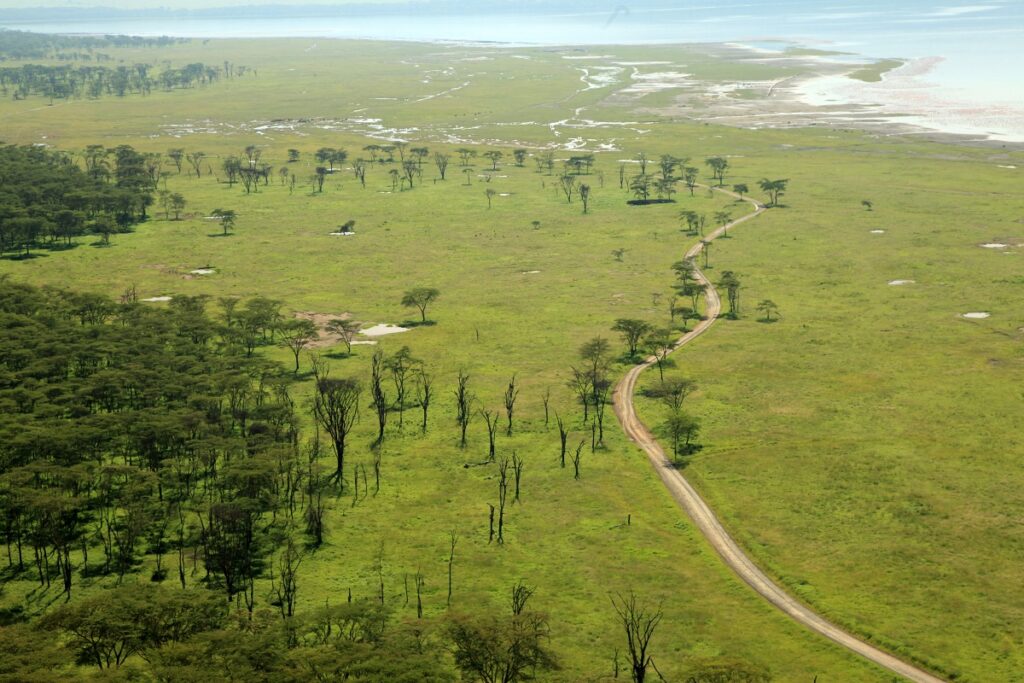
column 873, row 73
column 859, row 448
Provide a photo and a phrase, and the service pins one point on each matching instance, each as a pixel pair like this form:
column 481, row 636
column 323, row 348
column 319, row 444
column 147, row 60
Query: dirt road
column 705, row 518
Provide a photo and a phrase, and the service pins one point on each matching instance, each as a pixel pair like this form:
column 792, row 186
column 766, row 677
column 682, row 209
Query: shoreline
column 902, row 101
column 905, row 97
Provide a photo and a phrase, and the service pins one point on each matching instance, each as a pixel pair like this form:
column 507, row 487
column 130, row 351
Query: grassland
column 863, row 448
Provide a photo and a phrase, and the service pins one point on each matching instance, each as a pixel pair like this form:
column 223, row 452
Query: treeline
column 66, row 81
column 46, row 199
column 29, row 45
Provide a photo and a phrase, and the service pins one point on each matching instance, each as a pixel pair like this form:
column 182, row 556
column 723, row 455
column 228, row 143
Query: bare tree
column 511, row 393
column 377, row 395
column 491, row 418
column 521, row 594
column 563, row 436
column 463, row 399
column 453, row 537
column 576, row 459
column 639, row 624
column 287, row 587
column 424, row 390
column 517, row 471
column 502, row 497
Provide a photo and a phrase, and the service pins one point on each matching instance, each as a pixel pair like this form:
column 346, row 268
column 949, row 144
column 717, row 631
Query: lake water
column 981, row 45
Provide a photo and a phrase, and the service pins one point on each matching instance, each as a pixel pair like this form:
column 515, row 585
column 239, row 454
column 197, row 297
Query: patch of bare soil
column 322, row 320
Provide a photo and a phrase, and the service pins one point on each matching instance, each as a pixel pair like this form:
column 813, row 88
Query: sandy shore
column 907, row 97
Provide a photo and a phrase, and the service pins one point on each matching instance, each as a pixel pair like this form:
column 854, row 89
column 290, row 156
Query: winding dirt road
column 705, row 518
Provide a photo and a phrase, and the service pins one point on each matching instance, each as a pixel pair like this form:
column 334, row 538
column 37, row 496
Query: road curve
column 705, row 518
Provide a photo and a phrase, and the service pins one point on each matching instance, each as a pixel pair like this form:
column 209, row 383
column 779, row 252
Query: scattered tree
column 632, row 332
column 584, row 192
column 769, row 308
column 420, row 297
column 297, row 335
column 718, row 166
column 226, row 217
column 774, row 189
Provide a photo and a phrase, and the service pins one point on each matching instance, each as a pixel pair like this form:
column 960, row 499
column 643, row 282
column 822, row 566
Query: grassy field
column 862, row 448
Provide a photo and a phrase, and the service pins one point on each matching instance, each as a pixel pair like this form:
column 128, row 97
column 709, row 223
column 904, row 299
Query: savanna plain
column 854, row 422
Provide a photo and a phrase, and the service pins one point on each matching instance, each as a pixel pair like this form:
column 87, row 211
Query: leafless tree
column 639, row 624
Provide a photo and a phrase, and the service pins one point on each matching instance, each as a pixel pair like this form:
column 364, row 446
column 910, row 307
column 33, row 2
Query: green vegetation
column 850, row 446
column 47, row 201
column 873, row 73
column 30, row 45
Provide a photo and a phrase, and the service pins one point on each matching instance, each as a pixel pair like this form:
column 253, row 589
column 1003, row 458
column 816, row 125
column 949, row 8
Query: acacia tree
column 658, row 342
column 672, row 393
column 667, row 166
column 336, row 410
column 520, row 156
column 568, row 184
column 774, row 189
column 690, row 174
column 325, row 155
column 420, row 297
column 419, row 154
column 465, row 154
column 641, row 159
column 595, row 355
column 346, row 331
column 497, row 650
column 297, row 335
column 723, row 218
column 177, row 204
column 226, row 217
column 740, row 189
column 400, row 365
column 195, row 159
column 584, row 192
column 632, row 331
column 177, row 155
column 732, row 288
column 768, row 307
column 718, row 166
column 494, row 156
column 489, row 193
column 640, row 186
column 682, row 430
column 441, row 161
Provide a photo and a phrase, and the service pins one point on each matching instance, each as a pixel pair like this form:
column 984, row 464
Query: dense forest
column 129, row 432
column 65, row 81
column 46, row 199
column 29, row 45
